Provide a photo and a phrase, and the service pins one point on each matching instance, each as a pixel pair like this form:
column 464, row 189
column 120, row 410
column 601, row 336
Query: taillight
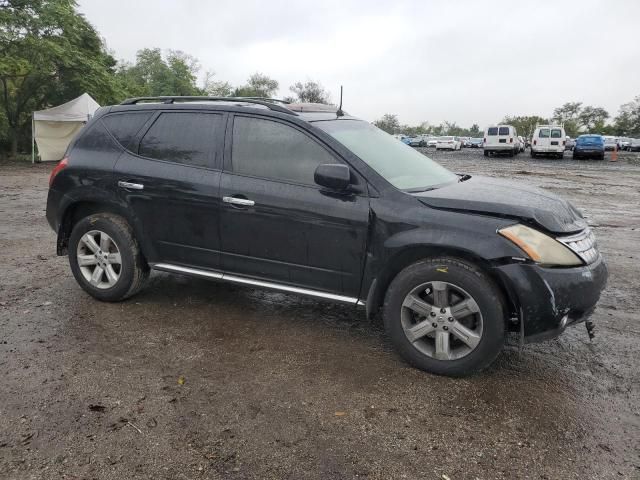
column 484, row 140
column 564, row 142
column 511, row 140
column 62, row 164
column 535, row 142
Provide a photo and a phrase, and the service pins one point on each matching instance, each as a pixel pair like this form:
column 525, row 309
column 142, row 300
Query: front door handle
column 130, row 185
column 244, row 202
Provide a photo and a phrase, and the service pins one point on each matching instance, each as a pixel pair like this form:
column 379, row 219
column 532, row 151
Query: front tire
column 105, row 257
column 445, row 316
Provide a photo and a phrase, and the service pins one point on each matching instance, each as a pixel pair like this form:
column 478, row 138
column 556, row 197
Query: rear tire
column 486, row 153
column 113, row 266
column 459, row 342
column 533, row 154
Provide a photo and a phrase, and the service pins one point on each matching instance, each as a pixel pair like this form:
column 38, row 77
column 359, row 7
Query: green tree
column 627, row 122
column 216, row 88
column 389, row 123
column 311, row 92
column 49, row 54
column 524, row 125
column 258, row 85
column 569, row 116
column 153, row 75
column 475, row 131
column 592, row 119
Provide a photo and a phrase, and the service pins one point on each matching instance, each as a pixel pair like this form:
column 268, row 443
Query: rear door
column 544, row 139
column 556, row 139
column 504, row 134
column 276, row 224
column 170, row 178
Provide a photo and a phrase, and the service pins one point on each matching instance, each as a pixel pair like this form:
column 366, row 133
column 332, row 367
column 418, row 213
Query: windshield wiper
column 463, row 177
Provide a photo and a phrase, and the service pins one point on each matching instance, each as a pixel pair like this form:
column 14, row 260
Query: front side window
column 504, row 130
column 183, row 137
column 402, row 166
column 556, row 133
column 268, row 149
column 543, row 133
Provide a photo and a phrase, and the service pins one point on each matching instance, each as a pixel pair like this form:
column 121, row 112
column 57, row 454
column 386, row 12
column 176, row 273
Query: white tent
column 53, row 129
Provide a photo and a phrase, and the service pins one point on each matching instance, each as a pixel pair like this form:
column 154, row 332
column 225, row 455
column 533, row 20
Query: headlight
column 541, row 248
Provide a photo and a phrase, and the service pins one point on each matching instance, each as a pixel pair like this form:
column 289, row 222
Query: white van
column 501, row 139
column 548, row 140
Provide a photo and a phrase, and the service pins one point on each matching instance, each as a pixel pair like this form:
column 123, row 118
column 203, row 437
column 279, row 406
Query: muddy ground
column 193, row 379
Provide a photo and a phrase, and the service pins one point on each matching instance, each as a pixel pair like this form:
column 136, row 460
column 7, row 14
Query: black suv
column 306, row 199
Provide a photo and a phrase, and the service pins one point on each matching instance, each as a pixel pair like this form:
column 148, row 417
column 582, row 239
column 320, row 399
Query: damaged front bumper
column 550, row 299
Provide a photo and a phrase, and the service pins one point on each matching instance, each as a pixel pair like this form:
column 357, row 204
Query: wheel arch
column 77, row 210
column 412, row 254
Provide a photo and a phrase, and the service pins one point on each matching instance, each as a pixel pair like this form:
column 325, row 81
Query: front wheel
column 105, row 258
column 445, row 316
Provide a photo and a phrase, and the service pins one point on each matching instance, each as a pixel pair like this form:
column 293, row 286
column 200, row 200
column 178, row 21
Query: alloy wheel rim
column 99, row 259
column 441, row 320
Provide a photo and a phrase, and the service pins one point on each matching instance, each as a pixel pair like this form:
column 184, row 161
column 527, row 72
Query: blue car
column 589, row 146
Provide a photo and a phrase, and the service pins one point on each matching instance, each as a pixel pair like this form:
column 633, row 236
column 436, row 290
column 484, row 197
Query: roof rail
column 270, row 103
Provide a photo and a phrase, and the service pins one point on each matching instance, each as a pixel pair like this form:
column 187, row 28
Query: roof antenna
column 339, row 112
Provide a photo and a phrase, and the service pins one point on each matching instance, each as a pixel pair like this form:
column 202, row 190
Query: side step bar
column 167, row 267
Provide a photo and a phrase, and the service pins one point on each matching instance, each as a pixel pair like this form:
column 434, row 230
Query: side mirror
column 333, row 176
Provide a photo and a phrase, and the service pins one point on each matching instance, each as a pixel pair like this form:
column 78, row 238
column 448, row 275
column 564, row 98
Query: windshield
column 401, row 165
column 590, row 139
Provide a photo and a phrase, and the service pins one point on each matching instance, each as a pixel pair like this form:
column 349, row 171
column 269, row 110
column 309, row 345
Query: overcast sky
column 462, row 61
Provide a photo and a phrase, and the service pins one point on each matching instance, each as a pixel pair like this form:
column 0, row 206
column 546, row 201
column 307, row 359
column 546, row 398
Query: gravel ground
column 193, row 379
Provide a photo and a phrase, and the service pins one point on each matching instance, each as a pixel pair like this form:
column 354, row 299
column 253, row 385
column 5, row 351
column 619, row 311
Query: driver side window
column 268, row 149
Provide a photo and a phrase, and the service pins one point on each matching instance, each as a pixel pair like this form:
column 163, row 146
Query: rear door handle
column 130, row 185
column 244, row 202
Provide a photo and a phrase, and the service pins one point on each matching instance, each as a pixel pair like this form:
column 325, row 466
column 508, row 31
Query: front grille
column 583, row 244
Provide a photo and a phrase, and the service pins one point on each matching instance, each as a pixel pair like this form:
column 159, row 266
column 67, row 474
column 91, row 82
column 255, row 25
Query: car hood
column 507, row 198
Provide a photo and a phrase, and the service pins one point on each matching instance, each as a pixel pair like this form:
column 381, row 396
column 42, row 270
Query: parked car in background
column 611, row 143
column 548, row 140
column 432, row 142
column 624, row 142
column 523, row 144
column 448, row 143
column 634, row 145
column 500, row 139
column 569, row 143
column 301, row 200
column 466, row 142
column 475, row 143
column 417, row 142
column 589, row 146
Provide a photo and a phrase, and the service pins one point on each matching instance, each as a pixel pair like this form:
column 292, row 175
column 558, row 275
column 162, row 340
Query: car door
column 276, row 224
column 170, row 179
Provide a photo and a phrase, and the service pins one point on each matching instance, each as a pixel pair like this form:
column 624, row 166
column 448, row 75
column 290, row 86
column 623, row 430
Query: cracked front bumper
column 544, row 296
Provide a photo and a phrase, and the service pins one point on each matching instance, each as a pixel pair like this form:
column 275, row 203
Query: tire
column 132, row 272
column 560, row 156
column 460, row 277
column 486, row 153
column 533, row 154
column 601, row 157
column 511, row 154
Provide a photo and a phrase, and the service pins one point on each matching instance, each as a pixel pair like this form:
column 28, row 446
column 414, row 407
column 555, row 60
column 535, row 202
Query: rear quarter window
column 492, row 131
column 544, row 133
column 125, row 126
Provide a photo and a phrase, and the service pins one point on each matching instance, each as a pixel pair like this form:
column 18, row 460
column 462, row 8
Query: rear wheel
column 486, row 153
column 533, row 154
column 445, row 316
column 105, row 258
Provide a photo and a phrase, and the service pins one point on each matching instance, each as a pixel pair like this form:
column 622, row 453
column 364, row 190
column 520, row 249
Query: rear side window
column 492, row 131
column 556, row 133
column 273, row 150
column 187, row 138
column 504, row 130
column 125, row 126
column 544, row 133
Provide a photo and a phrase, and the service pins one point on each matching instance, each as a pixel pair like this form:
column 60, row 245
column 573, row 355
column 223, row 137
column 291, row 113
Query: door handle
column 130, row 185
column 244, row 202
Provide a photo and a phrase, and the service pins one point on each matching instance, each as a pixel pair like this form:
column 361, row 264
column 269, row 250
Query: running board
column 256, row 283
